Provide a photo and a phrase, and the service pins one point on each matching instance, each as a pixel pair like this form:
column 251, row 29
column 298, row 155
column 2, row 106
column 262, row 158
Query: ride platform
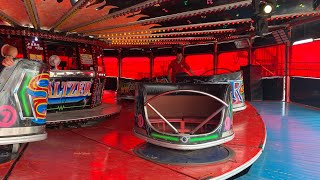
column 106, row 151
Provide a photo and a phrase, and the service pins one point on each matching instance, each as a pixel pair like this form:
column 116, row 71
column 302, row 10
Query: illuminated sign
column 68, row 91
column 37, row 57
column 86, row 59
column 126, row 88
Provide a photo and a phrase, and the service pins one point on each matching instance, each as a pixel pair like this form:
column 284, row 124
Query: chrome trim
column 21, row 131
column 240, row 168
column 72, row 73
column 184, row 146
column 236, row 109
column 272, row 77
column 23, row 139
column 305, row 77
column 15, row 94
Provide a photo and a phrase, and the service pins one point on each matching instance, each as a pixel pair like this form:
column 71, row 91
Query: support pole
column 215, row 57
column 119, row 68
column 287, row 69
column 250, row 52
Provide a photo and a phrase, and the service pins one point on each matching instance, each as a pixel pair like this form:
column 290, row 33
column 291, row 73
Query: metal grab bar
column 194, row 91
column 187, row 90
column 163, row 118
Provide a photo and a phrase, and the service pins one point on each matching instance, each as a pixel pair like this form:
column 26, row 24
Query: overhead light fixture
column 73, row 2
column 267, row 9
column 263, row 7
column 303, row 41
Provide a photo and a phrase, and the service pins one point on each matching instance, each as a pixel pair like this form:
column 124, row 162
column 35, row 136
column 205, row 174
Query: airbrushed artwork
column 68, row 91
column 23, row 105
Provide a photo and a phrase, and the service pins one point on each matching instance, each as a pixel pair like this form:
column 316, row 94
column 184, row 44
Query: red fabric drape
column 160, row 66
column 135, row 67
column 111, row 66
column 200, row 63
column 232, row 61
column 305, row 60
column 271, row 59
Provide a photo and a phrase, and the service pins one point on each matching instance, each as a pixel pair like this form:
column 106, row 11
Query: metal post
column 215, row 58
column 287, row 69
column 119, row 68
column 15, row 148
column 250, row 51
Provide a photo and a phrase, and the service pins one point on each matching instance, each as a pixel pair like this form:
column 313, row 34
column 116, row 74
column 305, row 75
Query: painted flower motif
column 227, row 124
column 140, row 121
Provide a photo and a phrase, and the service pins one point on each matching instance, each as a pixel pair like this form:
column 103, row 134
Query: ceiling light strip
column 166, row 39
column 123, row 12
column 216, row 31
column 176, row 16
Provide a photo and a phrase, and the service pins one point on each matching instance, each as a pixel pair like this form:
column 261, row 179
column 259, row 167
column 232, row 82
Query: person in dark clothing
column 8, row 53
column 178, row 67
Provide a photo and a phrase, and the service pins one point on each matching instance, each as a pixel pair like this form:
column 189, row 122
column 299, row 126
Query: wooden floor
column 293, row 143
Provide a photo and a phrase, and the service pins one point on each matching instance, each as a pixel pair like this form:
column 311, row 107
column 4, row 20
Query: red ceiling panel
column 16, row 10
column 51, row 11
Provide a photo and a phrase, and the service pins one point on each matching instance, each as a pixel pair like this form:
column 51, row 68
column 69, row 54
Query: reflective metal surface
column 15, row 131
column 72, row 73
column 23, row 105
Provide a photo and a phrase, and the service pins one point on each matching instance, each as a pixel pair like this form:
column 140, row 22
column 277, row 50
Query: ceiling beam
column 209, row 24
column 122, row 12
column 176, row 16
column 32, row 13
column 75, row 8
column 8, row 19
column 304, row 21
column 183, row 27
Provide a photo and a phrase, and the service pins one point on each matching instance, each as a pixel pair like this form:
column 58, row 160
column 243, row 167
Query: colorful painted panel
column 126, row 88
column 23, row 105
column 64, row 94
column 24, row 90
